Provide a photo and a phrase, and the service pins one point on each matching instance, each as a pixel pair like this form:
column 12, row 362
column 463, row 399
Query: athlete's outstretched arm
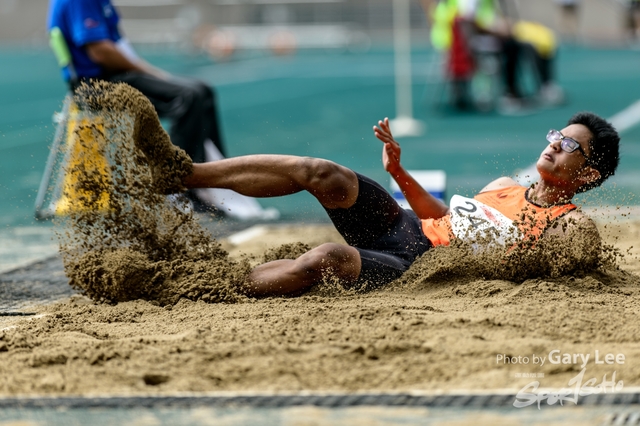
column 425, row 205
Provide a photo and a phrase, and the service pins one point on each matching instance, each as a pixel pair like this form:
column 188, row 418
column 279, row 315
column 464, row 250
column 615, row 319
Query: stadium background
column 316, row 92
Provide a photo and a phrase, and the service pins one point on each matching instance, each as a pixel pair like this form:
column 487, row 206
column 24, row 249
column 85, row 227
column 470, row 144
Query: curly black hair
column 604, row 146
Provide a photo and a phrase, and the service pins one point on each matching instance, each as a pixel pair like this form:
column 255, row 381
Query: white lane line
column 627, row 118
column 22, row 246
column 247, row 234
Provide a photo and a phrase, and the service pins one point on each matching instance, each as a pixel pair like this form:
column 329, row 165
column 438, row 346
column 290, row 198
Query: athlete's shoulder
column 503, row 182
column 577, row 217
column 574, row 221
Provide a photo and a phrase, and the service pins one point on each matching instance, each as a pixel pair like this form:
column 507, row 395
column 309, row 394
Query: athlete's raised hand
column 391, row 149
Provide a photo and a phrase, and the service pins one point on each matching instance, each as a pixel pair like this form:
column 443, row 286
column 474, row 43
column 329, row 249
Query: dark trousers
column 189, row 104
column 516, row 53
column 388, row 237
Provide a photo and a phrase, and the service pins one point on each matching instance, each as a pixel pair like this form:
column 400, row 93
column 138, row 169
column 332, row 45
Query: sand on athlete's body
column 181, row 324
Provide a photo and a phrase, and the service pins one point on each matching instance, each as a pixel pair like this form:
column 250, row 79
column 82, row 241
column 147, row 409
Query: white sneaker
column 551, row 94
column 180, row 202
column 511, row 105
column 235, row 205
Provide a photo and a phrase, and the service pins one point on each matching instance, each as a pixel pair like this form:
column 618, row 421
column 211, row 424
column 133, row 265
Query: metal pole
column 402, row 56
column 404, row 124
column 51, row 161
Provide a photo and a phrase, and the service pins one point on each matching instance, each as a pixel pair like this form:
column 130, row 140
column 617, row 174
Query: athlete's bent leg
column 290, row 277
column 334, row 186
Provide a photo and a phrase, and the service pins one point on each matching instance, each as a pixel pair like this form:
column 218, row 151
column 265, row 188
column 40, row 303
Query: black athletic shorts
column 388, row 237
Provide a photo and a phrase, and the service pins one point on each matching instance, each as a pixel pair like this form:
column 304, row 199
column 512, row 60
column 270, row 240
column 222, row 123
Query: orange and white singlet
column 503, row 215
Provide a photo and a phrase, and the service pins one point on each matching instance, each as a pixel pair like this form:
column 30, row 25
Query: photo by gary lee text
column 558, row 357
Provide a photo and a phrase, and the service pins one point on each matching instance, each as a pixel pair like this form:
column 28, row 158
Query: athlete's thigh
column 374, row 214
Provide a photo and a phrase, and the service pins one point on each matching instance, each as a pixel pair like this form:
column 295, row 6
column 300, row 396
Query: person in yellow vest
column 568, row 22
column 465, row 27
column 383, row 239
column 634, row 19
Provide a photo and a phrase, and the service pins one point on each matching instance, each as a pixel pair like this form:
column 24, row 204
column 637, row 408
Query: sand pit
column 447, row 335
column 166, row 312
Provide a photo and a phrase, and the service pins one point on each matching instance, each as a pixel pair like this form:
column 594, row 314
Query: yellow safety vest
column 444, row 14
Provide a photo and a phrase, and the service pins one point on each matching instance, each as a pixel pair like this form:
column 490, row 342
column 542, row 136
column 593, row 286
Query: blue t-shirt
column 82, row 22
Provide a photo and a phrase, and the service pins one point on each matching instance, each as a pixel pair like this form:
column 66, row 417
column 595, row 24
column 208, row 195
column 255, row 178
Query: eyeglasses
column 567, row 144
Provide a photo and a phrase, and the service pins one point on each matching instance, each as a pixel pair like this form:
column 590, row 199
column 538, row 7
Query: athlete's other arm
column 425, row 205
column 581, row 235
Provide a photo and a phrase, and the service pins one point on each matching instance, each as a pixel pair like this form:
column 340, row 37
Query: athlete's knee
column 309, row 265
column 324, row 175
column 330, row 259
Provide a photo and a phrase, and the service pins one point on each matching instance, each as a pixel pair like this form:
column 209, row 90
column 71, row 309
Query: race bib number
column 475, row 222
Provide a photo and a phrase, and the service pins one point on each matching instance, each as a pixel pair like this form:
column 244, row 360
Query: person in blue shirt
column 99, row 51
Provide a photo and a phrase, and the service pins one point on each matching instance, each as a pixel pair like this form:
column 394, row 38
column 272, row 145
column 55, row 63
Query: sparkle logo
column 532, row 394
column 91, row 23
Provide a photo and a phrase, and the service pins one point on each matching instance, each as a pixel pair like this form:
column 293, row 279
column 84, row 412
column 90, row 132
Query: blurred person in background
column 568, row 19
column 99, row 51
column 466, row 29
column 634, row 20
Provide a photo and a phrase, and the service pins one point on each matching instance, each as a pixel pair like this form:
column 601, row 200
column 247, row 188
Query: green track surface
column 324, row 104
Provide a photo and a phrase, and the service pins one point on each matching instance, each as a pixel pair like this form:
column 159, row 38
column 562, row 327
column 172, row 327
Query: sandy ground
column 446, row 335
column 441, row 331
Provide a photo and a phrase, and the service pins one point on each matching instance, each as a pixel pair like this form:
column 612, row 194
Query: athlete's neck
column 543, row 195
